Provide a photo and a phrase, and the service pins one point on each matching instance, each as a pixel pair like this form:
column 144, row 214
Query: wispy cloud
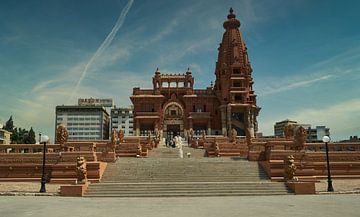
column 345, row 64
column 292, row 83
column 104, row 45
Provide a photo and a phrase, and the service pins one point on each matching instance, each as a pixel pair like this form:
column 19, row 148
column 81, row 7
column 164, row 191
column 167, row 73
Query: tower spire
column 234, row 83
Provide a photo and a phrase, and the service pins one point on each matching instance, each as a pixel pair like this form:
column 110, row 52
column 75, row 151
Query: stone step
column 176, row 177
column 219, row 194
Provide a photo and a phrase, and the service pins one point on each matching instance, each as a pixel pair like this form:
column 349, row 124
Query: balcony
column 147, row 115
column 238, row 89
column 199, row 115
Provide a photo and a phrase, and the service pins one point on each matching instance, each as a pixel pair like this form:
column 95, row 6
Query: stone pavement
column 280, row 206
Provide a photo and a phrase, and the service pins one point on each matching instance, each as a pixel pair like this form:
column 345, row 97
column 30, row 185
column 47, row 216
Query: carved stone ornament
column 81, row 170
column 61, row 135
column 299, row 138
column 121, row 136
column 289, row 168
column 289, row 131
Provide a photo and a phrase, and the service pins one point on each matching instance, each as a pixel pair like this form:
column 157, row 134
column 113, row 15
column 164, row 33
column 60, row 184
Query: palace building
column 174, row 107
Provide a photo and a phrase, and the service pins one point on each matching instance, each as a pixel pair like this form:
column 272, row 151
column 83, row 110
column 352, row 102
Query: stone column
column 137, row 128
column 223, row 120
column 190, row 123
column 229, row 116
column 209, row 127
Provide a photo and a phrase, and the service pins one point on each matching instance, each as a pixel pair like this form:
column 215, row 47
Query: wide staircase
column 164, row 174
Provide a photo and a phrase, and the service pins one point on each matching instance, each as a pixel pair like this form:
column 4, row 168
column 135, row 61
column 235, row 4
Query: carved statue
column 203, row 135
column 289, row 131
column 157, row 134
column 139, row 150
column 114, row 139
column 299, row 138
column 248, row 136
column 61, row 135
column 149, row 139
column 229, row 134
column 81, row 171
column 121, row 136
column 232, row 135
column 289, row 168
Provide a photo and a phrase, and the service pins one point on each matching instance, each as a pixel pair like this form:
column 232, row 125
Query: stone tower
column 234, row 83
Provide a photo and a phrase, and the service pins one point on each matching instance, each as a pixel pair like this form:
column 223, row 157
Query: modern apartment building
column 90, row 122
column 313, row 134
column 4, row 136
column 122, row 118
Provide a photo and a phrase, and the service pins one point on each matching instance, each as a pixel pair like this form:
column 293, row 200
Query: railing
column 143, row 91
column 27, row 148
column 146, row 114
column 260, row 144
column 200, row 114
column 202, row 92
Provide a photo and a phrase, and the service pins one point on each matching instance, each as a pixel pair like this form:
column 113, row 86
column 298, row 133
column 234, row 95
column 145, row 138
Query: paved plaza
column 289, row 205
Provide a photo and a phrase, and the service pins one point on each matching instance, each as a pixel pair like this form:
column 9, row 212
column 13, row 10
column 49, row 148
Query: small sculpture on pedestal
column 204, row 135
column 289, row 168
column 299, row 138
column 81, row 171
column 139, row 150
column 232, row 135
column 114, row 139
column 61, row 136
column 121, row 136
column 289, row 131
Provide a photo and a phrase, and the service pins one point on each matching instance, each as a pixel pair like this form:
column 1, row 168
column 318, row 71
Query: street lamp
column 326, row 139
column 43, row 139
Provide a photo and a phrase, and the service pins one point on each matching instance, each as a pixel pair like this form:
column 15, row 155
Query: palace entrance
column 173, row 120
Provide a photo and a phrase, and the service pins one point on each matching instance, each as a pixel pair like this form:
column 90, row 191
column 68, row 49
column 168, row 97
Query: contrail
column 103, row 46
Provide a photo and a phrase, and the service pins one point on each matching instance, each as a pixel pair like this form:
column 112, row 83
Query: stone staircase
column 165, row 152
column 173, row 177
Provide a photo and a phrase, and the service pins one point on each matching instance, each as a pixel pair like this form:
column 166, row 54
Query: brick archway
column 173, row 121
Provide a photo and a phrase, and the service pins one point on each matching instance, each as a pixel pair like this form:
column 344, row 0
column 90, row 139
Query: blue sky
column 305, row 55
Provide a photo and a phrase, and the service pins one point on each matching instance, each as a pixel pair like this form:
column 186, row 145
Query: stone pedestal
column 301, row 187
column 76, row 190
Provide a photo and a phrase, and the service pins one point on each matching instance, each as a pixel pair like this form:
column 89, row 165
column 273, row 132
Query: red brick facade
column 173, row 106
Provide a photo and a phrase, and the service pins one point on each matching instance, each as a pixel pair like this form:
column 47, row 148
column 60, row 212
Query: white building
column 123, row 118
column 83, row 122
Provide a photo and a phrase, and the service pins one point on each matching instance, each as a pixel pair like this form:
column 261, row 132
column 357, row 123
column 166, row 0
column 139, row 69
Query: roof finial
column 157, row 70
column 231, row 15
column 188, row 71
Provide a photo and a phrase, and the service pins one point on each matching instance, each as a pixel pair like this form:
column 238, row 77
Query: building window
column 237, row 84
column 236, row 71
column 237, row 98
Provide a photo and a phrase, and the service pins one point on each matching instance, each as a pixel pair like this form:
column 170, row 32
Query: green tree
column 29, row 137
column 9, row 125
column 14, row 136
column 20, row 136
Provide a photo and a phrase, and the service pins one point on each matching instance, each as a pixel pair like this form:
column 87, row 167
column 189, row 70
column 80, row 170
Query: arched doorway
column 173, row 120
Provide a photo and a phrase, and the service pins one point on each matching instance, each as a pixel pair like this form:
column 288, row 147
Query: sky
column 305, row 55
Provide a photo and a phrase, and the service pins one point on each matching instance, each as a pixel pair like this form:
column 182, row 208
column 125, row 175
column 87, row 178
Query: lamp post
column 43, row 139
column 326, row 139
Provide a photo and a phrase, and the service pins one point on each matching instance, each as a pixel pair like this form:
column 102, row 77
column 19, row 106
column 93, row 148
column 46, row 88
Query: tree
column 29, row 138
column 19, row 136
column 14, row 136
column 9, row 125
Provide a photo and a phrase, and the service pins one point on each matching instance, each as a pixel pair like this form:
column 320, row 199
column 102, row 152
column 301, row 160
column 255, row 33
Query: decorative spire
column 231, row 15
column 232, row 22
column 188, row 72
column 157, row 72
